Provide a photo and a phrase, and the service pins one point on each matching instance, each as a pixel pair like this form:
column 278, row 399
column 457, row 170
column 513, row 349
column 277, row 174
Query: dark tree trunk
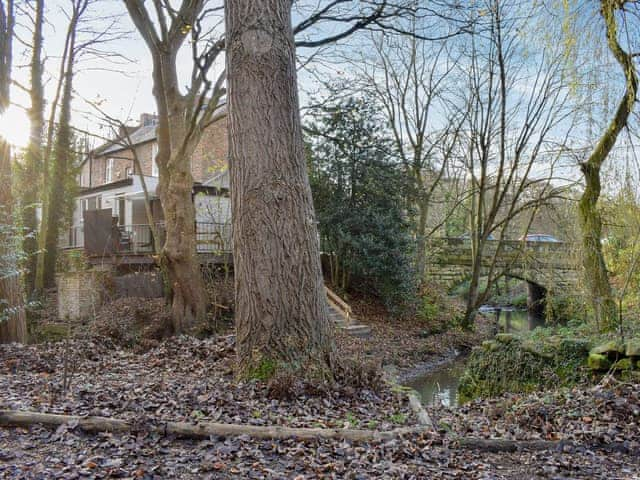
column 60, row 171
column 281, row 308
column 33, row 159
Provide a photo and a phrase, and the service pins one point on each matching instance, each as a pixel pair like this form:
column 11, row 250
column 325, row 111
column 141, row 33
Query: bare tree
column 61, row 150
column 182, row 118
column 87, row 37
column 412, row 78
column 515, row 134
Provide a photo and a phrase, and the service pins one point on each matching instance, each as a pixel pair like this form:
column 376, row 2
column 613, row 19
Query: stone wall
column 550, row 265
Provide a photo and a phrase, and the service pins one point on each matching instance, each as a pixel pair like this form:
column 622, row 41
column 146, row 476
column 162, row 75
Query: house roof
column 125, row 182
column 139, row 136
column 144, row 134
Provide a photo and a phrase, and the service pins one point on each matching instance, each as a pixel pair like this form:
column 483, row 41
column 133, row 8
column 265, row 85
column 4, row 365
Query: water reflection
column 440, row 386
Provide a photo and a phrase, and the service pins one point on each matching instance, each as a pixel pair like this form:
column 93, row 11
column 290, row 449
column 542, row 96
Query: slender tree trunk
column 33, row 159
column 473, row 294
column 282, row 316
column 596, row 275
column 421, row 250
column 46, row 161
column 60, row 172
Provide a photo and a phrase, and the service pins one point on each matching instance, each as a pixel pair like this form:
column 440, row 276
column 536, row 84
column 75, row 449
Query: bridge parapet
column 549, row 264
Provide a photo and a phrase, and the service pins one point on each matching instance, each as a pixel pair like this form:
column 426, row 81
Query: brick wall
column 211, row 153
column 208, row 158
column 144, row 156
column 79, row 293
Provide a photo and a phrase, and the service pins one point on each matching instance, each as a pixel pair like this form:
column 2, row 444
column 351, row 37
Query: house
column 112, row 192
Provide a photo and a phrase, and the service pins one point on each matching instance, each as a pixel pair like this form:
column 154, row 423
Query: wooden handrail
column 339, row 304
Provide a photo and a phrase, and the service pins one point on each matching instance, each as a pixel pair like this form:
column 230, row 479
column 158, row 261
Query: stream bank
column 438, row 382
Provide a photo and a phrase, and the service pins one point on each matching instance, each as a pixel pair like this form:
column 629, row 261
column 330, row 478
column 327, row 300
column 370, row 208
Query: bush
column 359, row 195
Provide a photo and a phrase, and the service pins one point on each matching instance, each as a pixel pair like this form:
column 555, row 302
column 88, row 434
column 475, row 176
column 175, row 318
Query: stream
column 439, row 386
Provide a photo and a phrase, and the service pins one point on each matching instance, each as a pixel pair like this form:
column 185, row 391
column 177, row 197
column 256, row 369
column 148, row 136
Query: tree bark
column 282, row 315
column 13, row 328
column 596, row 275
column 61, row 161
column 33, row 158
column 175, row 186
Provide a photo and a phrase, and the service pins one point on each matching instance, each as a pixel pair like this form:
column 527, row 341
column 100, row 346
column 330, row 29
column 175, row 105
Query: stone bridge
column 545, row 266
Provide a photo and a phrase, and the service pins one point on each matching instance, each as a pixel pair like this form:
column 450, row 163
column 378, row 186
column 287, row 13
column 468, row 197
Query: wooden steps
column 341, row 315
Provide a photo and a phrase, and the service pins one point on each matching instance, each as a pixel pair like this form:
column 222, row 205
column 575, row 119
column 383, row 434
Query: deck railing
column 211, row 237
column 73, row 237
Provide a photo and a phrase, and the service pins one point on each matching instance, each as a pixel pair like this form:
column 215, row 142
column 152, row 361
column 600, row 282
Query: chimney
column 148, row 119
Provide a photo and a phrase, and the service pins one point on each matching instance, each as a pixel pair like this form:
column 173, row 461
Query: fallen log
column 201, row 430
column 496, row 445
column 501, row 445
column 204, row 430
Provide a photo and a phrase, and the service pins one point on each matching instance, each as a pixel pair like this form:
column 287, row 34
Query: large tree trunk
column 596, row 275
column 181, row 121
column 281, row 309
column 179, row 257
column 33, row 158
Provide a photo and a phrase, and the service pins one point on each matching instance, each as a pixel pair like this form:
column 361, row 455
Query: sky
column 123, row 90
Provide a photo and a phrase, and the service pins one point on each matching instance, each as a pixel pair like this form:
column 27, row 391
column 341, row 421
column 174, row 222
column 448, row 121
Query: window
column 91, row 203
column 108, row 177
column 128, row 172
column 154, row 165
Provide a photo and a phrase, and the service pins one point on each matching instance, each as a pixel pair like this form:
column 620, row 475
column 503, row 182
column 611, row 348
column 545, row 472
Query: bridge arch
column 544, row 266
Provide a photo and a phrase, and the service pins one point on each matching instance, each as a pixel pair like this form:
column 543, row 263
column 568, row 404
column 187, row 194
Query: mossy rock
column 555, row 341
column 490, row 345
column 632, row 348
column 598, row 361
column 623, row 364
column 506, row 338
column 536, row 348
column 611, row 348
